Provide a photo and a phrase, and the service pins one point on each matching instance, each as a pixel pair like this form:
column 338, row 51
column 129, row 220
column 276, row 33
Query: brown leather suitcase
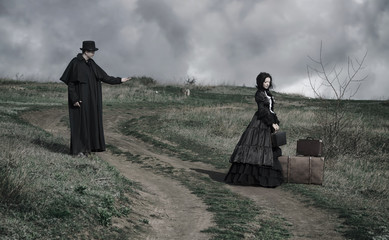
column 302, row 169
column 309, row 147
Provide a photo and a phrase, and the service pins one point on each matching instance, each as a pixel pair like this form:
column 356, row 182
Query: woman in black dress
column 254, row 160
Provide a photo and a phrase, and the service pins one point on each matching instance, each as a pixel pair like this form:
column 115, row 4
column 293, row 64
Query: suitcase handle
column 311, row 138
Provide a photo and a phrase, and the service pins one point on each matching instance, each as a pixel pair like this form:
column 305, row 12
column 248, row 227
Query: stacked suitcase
column 307, row 166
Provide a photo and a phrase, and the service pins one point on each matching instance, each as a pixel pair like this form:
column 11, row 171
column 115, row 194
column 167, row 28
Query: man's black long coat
column 86, row 122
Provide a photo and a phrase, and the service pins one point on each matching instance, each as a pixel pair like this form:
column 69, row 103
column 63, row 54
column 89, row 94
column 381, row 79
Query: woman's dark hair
column 261, row 78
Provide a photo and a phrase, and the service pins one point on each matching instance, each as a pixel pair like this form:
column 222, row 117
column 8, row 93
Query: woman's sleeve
column 276, row 119
column 264, row 113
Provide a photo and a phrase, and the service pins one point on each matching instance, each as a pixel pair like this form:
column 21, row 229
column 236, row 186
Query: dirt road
column 175, row 212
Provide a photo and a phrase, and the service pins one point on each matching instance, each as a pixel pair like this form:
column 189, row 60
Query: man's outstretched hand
column 125, row 79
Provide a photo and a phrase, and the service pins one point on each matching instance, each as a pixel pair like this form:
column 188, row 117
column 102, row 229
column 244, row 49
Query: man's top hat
column 89, row 46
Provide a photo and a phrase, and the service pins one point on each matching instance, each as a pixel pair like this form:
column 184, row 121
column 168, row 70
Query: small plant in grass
column 107, row 210
column 11, row 188
column 145, row 221
column 104, row 216
column 13, row 177
column 58, row 209
column 80, row 189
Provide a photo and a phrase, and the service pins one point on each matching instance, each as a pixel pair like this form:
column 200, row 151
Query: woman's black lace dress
column 254, row 160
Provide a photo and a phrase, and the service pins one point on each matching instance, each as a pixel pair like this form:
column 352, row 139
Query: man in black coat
column 83, row 77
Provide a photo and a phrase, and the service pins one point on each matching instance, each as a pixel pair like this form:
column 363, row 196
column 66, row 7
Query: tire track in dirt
column 175, row 212
column 306, row 222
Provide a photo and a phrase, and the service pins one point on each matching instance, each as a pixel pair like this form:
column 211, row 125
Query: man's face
column 90, row 54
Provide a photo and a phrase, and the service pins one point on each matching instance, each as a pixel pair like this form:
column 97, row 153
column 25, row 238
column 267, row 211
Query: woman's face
column 266, row 83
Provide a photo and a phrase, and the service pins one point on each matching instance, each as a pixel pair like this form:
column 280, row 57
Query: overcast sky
column 214, row 41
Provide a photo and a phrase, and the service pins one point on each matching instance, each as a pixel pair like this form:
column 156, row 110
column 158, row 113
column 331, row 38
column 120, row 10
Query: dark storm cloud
column 172, row 28
column 215, row 41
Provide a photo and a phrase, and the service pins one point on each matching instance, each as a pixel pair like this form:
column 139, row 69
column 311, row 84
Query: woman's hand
column 276, row 127
column 125, row 79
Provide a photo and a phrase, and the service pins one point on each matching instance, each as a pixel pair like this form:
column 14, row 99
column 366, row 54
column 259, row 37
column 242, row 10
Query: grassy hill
column 44, row 192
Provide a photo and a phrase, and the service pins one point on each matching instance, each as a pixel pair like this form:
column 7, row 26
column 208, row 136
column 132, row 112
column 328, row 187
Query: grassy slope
column 44, row 192
column 205, row 127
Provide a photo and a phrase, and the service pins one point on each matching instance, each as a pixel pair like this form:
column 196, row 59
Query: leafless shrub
column 333, row 87
column 190, row 81
column 19, row 77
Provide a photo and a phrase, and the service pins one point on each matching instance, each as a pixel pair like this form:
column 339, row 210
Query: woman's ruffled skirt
column 249, row 174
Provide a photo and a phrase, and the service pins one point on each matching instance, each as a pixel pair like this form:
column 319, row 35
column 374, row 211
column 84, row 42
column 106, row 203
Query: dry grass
column 215, row 127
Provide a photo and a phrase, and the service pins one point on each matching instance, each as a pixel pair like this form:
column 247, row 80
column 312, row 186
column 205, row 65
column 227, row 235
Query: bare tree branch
column 312, row 86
